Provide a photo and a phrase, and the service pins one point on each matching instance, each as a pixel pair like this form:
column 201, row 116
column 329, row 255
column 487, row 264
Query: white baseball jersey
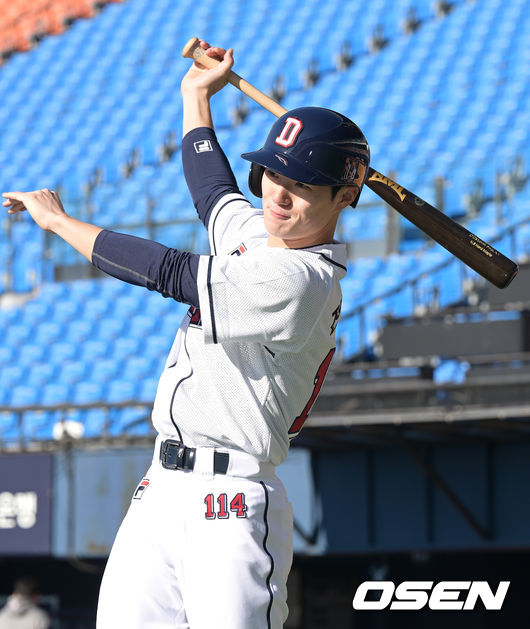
column 244, row 371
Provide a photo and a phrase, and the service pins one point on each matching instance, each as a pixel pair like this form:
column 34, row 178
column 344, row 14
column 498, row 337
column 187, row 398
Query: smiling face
column 301, row 215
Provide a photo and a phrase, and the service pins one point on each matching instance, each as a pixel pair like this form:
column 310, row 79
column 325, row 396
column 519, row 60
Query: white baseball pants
column 198, row 551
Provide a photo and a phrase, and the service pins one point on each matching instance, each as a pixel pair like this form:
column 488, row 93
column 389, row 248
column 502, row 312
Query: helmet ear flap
column 359, row 187
column 254, row 179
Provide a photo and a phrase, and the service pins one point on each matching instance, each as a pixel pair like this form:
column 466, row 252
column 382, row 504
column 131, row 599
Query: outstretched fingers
column 14, row 201
column 13, row 195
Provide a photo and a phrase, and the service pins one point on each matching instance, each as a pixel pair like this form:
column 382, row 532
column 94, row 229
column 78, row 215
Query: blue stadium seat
column 373, row 321
column 35, row 311
column 110, row 328
column 383, row 284
column 39, row 374
column 131, row 421
column 72, row 371
column 38, row 424
column 121, row 391
column 22, row 395
column 17, row 334
column 54, row 393
column 522, row 239
column 7, row 353
column 88, row 392
column 78, row 330
column 104, row 369
column 82, row 290
column 349, row 338
column 5, row 391
column 128, row 304
column 30, row 354
column 9, row 427
column 146, row 390
column 92, row 349
column 95, row 308
column 12, row 375
column 95, row 422
column 156, row 346
column 365, row 268
column 401, row 304
column 140, row 325
column 155, row 306
column 126, row 347
column 353, row 292
column 66, row 311
column 47, row 332
column 137, row 368
column 61, row 351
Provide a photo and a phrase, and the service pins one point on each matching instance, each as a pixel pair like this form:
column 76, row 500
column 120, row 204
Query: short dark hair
column 335, row 190
column 26, row 586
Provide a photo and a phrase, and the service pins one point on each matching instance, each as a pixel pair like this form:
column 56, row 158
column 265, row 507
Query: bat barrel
column 466, row 246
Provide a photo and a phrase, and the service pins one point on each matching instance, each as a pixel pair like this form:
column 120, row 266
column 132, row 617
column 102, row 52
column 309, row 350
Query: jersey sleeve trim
column 206, row 299
column 216, row 213
column 210, row 297
column 341, row 266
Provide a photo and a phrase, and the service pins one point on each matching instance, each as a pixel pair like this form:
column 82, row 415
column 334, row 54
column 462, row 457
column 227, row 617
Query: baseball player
column 207, row 540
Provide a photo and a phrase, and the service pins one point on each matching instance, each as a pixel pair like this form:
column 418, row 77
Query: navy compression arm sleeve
column 206, row 169
column 171, row 272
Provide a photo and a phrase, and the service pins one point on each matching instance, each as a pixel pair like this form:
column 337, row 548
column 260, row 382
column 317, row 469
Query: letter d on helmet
column 315, row 146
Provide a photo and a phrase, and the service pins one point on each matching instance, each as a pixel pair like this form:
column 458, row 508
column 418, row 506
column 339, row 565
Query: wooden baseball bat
column 466, row 246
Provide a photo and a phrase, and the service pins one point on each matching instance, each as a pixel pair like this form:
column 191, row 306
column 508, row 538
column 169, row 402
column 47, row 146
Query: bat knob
column 190, row 47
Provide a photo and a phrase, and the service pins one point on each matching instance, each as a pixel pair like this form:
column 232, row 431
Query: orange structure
column 24, row 22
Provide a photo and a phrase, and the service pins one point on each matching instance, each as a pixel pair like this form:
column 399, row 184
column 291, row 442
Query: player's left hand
column 45, row 206
column 211, row 80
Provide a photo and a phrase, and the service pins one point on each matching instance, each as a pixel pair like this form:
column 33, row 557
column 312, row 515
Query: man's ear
column 347, row 196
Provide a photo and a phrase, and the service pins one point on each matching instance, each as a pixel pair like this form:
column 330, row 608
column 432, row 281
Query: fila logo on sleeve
column 203, row 146
column 290, row 132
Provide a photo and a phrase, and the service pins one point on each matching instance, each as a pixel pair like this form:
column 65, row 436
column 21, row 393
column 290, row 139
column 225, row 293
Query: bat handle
column 193, row 50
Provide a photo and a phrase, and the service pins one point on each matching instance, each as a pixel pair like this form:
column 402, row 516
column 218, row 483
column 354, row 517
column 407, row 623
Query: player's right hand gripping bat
column 466, row 246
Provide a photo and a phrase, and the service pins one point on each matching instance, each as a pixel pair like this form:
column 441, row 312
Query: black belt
column 174, row 455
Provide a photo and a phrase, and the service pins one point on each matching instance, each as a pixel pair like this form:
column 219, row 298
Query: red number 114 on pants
column 237, row 506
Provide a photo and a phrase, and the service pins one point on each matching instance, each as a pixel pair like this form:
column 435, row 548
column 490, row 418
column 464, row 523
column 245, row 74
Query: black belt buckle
column 172, row 454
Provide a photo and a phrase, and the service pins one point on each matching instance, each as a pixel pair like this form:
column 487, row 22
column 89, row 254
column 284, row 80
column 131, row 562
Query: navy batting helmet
column 314, row 146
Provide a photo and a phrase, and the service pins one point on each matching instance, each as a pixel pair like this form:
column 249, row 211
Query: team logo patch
column 239, row 250
column 203, row 146
column 142, row 486
column 195, row 316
